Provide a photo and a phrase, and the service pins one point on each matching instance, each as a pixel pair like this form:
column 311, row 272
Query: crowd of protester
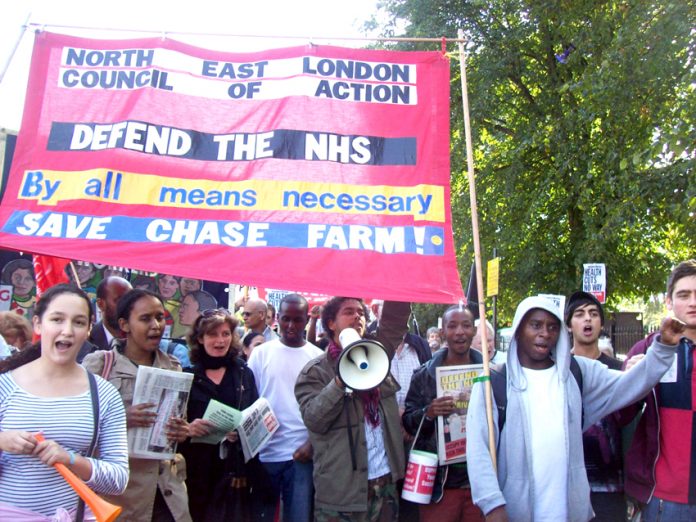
column 577, row 434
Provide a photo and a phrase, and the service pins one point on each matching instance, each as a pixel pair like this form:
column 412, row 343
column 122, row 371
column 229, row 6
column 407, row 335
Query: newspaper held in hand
column 255, row 425
column 169, row 391
column 455, row 382
column 259, row 423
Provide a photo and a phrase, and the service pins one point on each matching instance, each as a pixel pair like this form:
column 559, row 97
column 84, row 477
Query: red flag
column 49, row 271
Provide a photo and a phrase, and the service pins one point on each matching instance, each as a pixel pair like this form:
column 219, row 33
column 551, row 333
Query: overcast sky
column 270, row 19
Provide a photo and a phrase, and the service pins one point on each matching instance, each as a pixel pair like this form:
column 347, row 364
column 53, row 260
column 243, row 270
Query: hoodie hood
column 560, row 353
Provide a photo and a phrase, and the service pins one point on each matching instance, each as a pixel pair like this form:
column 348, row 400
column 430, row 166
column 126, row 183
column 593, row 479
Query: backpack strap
column 109, row 358
column 499, row 387
column 576, row 371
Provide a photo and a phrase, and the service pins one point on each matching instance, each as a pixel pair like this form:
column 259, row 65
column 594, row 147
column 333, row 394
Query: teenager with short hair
column 287, row 458
column 661, row 461
column 584, row 318
column 540, row 468
column 451, row 500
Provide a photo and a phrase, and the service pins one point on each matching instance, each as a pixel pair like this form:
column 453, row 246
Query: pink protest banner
column 316, row 168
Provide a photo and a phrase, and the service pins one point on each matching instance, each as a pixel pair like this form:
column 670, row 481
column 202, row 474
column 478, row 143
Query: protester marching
column 231, row 286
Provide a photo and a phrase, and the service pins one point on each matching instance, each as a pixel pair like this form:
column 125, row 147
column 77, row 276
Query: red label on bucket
column 420, row 478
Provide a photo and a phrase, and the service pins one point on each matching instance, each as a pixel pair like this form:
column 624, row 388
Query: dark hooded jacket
column 421, row 393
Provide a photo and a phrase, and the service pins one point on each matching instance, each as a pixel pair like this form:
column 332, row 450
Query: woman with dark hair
column 251, row 341
column 156, row 489
column 219, row 489
column 44, row 390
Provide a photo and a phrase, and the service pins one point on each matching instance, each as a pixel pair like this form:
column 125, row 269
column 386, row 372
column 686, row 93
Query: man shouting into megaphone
column 355, row 432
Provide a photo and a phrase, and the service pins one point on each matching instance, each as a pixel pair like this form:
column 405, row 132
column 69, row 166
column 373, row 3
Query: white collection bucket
column 420, row 477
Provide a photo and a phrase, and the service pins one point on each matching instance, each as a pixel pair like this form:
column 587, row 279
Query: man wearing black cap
column 584, row 318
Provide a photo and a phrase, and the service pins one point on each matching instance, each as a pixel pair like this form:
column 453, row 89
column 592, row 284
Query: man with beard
column 540, row 468
column 356, row 435
column 584, row 318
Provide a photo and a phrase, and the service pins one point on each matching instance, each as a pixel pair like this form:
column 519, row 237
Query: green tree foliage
column 591, row 160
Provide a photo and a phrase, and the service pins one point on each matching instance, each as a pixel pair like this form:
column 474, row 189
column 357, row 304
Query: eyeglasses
column 210, row 312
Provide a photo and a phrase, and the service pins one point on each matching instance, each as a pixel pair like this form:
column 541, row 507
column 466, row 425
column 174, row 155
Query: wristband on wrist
column 72, row 458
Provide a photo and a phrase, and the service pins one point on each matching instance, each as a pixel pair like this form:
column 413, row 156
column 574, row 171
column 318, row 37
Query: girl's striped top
column 27, row 483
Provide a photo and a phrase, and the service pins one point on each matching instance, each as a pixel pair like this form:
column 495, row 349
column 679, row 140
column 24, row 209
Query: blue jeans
column 659, row 510
column 293, row 481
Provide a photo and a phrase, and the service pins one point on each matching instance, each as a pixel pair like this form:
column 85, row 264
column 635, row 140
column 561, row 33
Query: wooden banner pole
column 477, row 251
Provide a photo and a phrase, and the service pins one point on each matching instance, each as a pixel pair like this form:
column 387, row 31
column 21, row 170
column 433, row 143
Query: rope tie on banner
column 443, row 45
column 443, row 40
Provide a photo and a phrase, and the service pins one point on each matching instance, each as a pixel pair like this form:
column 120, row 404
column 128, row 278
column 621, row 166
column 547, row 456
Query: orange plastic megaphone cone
column 103, row 510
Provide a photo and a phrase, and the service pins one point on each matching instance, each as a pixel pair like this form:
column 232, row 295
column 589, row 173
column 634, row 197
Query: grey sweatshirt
column 604, row 391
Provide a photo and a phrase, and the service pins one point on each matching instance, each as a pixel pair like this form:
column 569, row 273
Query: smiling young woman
column 44, row 390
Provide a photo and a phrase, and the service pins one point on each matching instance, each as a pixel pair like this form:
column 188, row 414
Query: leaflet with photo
column 455, row 382
column 169, row 391
column 258, row 425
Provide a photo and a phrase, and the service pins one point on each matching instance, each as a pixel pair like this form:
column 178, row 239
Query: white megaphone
column 363, row 363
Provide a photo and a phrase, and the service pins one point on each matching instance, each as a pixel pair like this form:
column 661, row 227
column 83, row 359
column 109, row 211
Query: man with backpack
column 540, row 468
column 602, row 444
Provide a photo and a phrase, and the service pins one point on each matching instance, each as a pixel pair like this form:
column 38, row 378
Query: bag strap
column 499, row 387
column 577, row 373
column 109, row 358
column 413, row 445
column 94, row 394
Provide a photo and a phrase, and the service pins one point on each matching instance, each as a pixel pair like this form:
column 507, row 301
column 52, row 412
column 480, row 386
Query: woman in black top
column 218, row 480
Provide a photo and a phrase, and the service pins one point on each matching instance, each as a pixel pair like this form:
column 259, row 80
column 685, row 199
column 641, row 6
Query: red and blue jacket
column 661, row 460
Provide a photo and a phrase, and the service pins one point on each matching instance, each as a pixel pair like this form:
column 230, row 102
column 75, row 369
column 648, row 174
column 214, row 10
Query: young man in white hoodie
column 540, row 468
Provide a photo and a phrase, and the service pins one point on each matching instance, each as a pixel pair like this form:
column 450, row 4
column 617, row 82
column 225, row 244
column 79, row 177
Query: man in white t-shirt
column 288, row 456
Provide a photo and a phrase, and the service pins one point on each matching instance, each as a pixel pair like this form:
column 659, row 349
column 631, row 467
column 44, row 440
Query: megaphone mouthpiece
column 358, row 357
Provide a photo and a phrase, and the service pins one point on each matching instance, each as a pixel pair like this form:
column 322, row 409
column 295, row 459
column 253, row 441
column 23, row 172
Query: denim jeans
column 292, row 481
column 659, row 510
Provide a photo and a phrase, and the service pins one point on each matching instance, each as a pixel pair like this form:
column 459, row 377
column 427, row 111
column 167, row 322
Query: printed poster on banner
column 319, row 161
column 455, row 382
column 594, row 280
column 5, row 297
